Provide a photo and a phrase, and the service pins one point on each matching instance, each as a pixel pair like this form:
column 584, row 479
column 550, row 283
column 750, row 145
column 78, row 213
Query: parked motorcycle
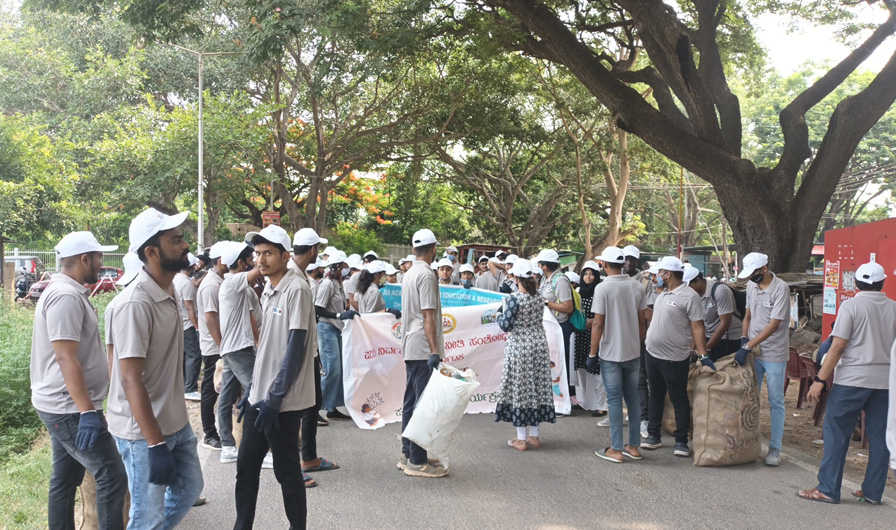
column 23, row 285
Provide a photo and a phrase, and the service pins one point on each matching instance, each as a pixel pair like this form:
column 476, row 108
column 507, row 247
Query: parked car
column 26, row 264
column 107, row 278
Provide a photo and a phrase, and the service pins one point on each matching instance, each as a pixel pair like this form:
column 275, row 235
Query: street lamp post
column 200, row 184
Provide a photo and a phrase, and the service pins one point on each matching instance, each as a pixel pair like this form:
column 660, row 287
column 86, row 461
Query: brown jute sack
column 725, row 414
column 669, row 412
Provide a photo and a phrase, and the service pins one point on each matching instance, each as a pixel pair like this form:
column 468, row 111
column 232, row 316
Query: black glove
column 243, row 404
column 88, row 430
column 348, row 314
column 268, row 417
column 505, row 288
column 592, row 363
column 433, row 361
column 395, row 312
column 161, row 465
column 706, row 361
column 741, row 356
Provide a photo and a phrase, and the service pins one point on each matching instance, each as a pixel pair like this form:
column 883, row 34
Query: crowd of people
column 267, row 313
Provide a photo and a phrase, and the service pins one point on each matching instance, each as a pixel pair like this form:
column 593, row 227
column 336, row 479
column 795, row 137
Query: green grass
column 24, row 479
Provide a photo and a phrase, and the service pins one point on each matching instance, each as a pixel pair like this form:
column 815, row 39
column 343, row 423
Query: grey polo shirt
column 107, row 319
column 186, row 291
column 371, row 301
column 562, row 293
column 207, row 302
column 619, row 298
column 313, row 284
column 331, row 297
column 669, row 336
column 764, row 305
column 64, row 312
column 146, row 325
column 420, row 291
column 286, row 307
column 868, row 324
column 647, row 286
column 724, row 304
column 350, row 285
column 487, row 281
column 237, row 306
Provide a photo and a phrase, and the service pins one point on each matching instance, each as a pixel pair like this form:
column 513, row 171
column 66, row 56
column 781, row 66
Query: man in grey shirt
column 186, row 297
column 768, row 307
column 69, row 379
column 723, row 327
column 210, row 342
column 423, row 345
column 863, row 335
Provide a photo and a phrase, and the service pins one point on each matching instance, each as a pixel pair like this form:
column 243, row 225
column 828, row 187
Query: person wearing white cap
column 315, row 273
column 724, row 326
column 423, row 344
column 404, row 265
column 590, row 392
column 467, row 275
column 481, row 265
column 491, row 278
column 391, row 274
column 677, row 323
column 863, row 336
column 444, row 270
column 132, row 266
column 186, row 298
column 147, row 411
column 368, row 295
column 452, row 255
column 526, row 397
column 574, row 278
column 329, row 302
column 282, row 383
column 617, row 331
column 69, row 378
column 370, row 256
column 768, row 337
column 508, row 284
column 556, row 289
column 350, row 284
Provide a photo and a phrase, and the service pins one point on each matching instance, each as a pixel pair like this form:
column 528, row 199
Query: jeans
column 309, row 419
column 774, row 372
column 669, row 376
column 724, row 348
column 154, row 506
column 845, row 403
column 209, row 396
column 238, row 368
column 642, row 385
column 283, row 443
column 69, row 463
column 192, row 360
column 417, row 376
column 329, row 339
column 621, row 381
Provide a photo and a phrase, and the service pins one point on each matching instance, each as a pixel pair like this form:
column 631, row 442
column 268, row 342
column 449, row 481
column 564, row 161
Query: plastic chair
column 797, row 371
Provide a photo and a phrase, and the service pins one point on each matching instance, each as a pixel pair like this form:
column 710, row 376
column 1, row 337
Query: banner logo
column 396, row 330
column 490, row 317
column 448, row 323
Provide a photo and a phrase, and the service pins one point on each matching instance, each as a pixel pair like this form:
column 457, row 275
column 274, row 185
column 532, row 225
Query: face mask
column 451, row 258
column 467, row 283
column 659, row 281
column 757, row 278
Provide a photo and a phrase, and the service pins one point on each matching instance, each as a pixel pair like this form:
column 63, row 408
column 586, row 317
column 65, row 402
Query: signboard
column 829, row 304
column 270, row 218
column 832, row 274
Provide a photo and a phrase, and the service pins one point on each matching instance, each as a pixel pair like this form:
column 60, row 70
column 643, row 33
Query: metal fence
column 48, row 257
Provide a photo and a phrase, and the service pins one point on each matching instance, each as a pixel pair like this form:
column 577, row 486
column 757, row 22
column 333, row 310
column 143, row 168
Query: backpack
column 577, row 317
column 740, row 299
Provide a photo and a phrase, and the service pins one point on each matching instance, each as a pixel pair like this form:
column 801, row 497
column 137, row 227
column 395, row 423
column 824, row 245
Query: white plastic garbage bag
column 440, row 409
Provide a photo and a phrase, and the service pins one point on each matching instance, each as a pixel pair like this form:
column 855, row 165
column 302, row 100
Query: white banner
column 373, row 365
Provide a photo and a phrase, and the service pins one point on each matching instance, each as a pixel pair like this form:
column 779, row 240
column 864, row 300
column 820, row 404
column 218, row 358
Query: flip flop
column 602, row 453
column 325, row 465
column 815, row 495
column 309, row 482
column 519, row 445
column 862, row 498
column 628, row 454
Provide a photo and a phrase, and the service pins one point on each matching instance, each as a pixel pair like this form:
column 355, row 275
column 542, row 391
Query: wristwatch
column 820, row 380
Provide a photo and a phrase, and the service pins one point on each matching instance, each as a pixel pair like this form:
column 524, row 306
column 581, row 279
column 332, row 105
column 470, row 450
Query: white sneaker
column 268, row 462
column 229, row 454
column 192, row 396
column 644, row 433
column 604, row 422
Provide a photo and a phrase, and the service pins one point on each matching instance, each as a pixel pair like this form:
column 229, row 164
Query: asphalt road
column 558, row 487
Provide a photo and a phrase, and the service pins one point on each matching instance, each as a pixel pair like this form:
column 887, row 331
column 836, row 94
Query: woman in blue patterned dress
column 525, row 397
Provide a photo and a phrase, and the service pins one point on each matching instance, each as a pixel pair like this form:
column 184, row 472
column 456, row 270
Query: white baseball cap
column 192, row 259
column 80, row 243
column 500, row 252
column 307, row 237
column 375, row 267
column 573, row 277
column 495, row 259
column 217, row 250
column 371, row 253
column 434, row 265
column 150, row 222
column 272, row 234
column 612, row 255
column 870, row 273
column 390, row 270
column 445, row 262
column 548, row 256
column 591, row 265
column 631, row 250
column 423, row 237
column 482, row 258
column 316, row 264
column 355, row 262
column 451, row 249
column 668, row 263
column 232, row 251
column 753, row 261
column 409, row 259
column 336, row 258
column 466, row 267
column 511, row 258
column 690, row 272
column 329, row 251
column 132, row 267
column 522, row 268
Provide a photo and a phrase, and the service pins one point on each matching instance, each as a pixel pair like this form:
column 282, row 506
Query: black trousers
column 283, row 442
column 642, row 386
column 208, row 396
column 723, row 349
column 417, row 377
column 309, row 419
column 672, row 377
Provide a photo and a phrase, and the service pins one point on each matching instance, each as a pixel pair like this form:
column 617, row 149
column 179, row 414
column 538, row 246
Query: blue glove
column 88, row 430
column 706, row 361
column 741, row 356
column 161, row 465
column 433, row 361
column 592, row 363
column 243, row 404
column 396, row 313
column 744, row 341
column 268, row 417
column 346, row 315
column 505, row 288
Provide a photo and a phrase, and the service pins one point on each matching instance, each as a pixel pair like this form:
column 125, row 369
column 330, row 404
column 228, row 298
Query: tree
column 694, row 117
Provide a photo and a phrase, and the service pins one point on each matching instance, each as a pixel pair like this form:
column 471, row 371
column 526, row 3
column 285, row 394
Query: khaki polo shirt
column 764, row 305
column 237, row 305
column 146, row 325
column 286, row 307
column 371, row 301
column 562, row 293
column 207, row 302
column 64, row 312
column 331, row 297
column 487, row 281
column 669, row 335
column 724, row 304
column 419, row 291
column 313, row 284
column 867, row 323
column 186, row 291
column 619, row 298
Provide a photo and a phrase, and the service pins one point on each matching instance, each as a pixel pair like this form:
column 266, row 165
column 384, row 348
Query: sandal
column 309, row 482
column 862, row 498
column 533, row 442
column 629, row 454
column 815, row 495
column 602, row 453
column 519, row 445
column 325, row 465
